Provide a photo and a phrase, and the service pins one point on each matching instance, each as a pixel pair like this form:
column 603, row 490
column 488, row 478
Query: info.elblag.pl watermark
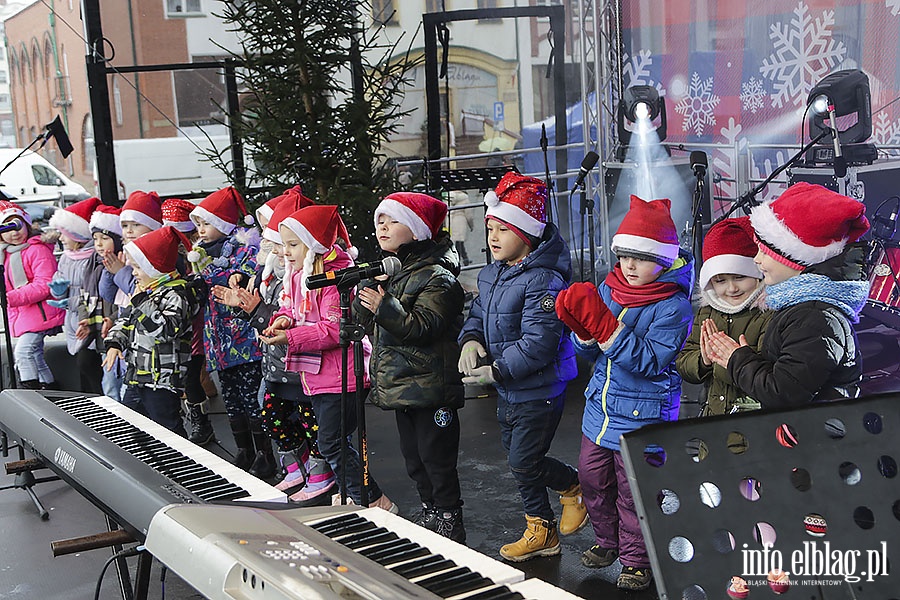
column 817, row 562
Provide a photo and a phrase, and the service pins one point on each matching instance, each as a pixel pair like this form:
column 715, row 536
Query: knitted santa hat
column 647, row 232
column 11, row 209
column 156, row 253
column 74, row 220
column 521, row 203
column 288, row 203
column 423, row 214
column 177, row 213
column 808, row 224
column 144, row 208
column 223, row 209
column 106, row 220
column 729, row 248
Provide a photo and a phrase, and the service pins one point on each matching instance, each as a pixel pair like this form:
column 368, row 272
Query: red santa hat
column 808, row 224
column 11, row 209
column 75, row 220
column 223, row 209
column 264, row 213
column 647, row 232
column 156, row 253
column 177, row 213
column 319, row 227
column 144, row 208
column 288, row 203
column 423, row 214
column 521, row 203
column 106, row 220
column 729, row 248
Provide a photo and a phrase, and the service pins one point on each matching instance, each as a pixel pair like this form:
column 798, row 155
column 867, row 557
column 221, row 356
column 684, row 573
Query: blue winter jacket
column 514, row 317
column 635, row 382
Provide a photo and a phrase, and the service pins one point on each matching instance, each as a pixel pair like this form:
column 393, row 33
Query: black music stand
column 477, row 178
column 709, row 492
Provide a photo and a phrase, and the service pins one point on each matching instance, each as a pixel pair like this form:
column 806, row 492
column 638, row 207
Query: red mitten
column 563, row 313
column 587, row 307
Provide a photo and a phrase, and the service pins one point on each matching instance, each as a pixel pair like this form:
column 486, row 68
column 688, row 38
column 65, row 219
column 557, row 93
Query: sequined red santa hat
column 11, row 209
column 288, row 203
column 75, row 219
column 223, row 209
column 156, row 253
column 808, row 224
column 177, row 213
column 423, row 214
column 144, row 208
column 647, row 232
column 520, row 202
column 729, row 248
column 106, row 220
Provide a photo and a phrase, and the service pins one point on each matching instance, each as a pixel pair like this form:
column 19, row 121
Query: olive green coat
column 722, row 395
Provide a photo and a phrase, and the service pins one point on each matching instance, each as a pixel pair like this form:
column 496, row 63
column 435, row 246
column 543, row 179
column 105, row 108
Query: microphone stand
column 748, row 199
column 587, row 207
column 7, row 335
column 547, row 180
column 697, row 223
column 42, row 137
column 352, row 335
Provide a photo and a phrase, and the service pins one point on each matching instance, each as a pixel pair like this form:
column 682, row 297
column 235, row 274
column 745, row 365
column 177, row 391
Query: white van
column 35, row 183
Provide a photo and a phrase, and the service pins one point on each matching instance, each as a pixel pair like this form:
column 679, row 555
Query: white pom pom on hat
column 491, row 198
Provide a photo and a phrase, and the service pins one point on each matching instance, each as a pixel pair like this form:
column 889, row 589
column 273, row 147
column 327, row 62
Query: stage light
column 845, row 97
column 641, row 110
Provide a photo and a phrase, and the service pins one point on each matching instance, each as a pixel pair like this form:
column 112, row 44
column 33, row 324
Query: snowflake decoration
column 637, row 71
column 886, row 132
column 804, row 53
column 698, row 106
column 753, row 95
column 894, row 5
column 725, row 162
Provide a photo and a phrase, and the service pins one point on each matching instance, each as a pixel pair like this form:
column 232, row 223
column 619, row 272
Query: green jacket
column 723, row 396
column 414, row 350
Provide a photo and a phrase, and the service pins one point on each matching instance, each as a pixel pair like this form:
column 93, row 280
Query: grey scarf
column 15, row 269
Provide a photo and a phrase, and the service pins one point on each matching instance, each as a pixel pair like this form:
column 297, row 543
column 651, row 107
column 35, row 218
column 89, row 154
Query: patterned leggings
column 290, row 423
column 240, row 385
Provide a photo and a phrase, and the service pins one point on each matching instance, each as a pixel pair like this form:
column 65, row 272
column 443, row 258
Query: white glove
column 481, row 376
column 471, row 352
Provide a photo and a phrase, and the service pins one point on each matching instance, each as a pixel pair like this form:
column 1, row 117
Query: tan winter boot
column 574, row 512
column 539, row 539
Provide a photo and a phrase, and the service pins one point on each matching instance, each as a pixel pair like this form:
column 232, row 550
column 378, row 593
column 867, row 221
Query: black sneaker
column 597, row 557
column 634, row 578
column 425, row 517
column 449, row 523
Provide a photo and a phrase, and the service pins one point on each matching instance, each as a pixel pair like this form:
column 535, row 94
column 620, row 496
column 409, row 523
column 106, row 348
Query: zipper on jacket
column 606, row 388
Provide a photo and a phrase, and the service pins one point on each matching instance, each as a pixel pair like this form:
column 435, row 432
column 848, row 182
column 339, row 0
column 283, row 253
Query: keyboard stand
column 25, row 479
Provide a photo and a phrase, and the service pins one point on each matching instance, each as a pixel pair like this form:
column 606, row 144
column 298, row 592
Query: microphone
column 544, row 140
column 840, row 163
column 352, row 275
column 885, row 227
column 699, row 163
column 13, row 225
column 590, row 159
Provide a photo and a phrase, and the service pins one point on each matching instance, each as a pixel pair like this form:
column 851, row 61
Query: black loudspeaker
column 811, row 491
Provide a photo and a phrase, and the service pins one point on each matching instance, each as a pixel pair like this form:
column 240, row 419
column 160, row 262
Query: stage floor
column 492, row 510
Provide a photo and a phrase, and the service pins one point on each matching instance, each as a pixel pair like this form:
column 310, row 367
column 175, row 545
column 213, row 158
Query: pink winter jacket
column 28, row 308
column 320, row 335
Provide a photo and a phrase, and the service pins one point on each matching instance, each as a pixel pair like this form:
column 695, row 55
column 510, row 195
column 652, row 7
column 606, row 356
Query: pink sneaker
column 292, row 482
column 320, row 479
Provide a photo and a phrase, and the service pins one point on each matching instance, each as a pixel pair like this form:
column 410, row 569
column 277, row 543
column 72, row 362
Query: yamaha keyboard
column 124, row 463
column 230, row 552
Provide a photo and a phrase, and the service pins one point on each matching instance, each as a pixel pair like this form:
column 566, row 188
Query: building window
column 5, row 103
column 434, row 6
column 484, row 4
column 183, row 8
column 3, row 77
column 384, row 12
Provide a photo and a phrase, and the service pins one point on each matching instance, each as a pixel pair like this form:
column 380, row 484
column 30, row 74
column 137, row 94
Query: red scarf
column 629, row 295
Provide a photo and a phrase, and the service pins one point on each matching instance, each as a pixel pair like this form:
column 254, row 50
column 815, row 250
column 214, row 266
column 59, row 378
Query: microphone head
column 590, row 159
column 698, row 159
column 391, row 265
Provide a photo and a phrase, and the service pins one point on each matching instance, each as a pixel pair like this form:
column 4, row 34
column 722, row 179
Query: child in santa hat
column 29, row 266
column 631, row 328
column 153, row 334
column 816, row 283
column 308, row 324
column 514, row 341
column 732, row 301
column 224, row 250
column 198, row 387
column 96, row 315
column 287, row 413
column 141, row 214
column 73, row 225
column 414, row 317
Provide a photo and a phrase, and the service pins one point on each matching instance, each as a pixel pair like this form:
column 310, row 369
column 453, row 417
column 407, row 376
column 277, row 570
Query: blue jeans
column 526, row 431
column 163, row 406
column 29, row 357
column 327, row 408
column 113, row 379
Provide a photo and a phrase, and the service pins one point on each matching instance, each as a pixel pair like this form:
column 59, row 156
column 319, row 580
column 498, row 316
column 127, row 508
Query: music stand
column 477, row 178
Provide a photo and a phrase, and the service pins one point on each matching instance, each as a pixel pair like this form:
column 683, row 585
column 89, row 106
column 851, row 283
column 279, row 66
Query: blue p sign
column 498, row 112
